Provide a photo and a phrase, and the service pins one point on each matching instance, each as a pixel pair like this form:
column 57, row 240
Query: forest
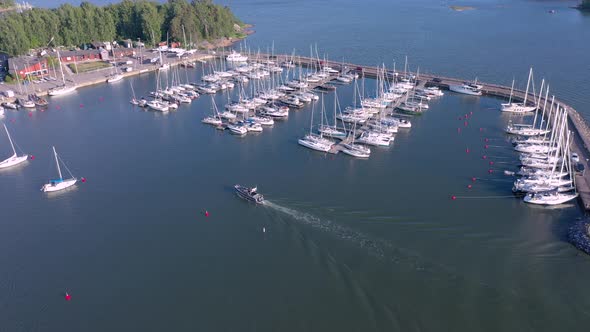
column 149, row 21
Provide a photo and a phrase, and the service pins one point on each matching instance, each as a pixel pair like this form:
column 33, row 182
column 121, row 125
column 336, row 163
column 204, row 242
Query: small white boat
column 357, row 151
column 115, row 78
column 551, row 197
column 254, row 127
column 9, row 105
column 59, row 183
column 14, row 159
column 473, row 89
column 157, row 105
column 315, row 143
column 227, row 115
column 373, row 138
column 62, row 90
column 212, row 120
column 263, row 120
column 237, row 129
column 236, row 57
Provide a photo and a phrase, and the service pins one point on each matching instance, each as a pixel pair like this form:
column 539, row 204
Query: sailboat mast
column 57, row 163
column 9, row 138
column 511, row 91
column 526, row 94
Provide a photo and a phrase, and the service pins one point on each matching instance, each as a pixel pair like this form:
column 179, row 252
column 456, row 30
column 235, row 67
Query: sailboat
column 59, row 183
column 14, row 159
column 356, row 150
column 115, row 77
column 329, row 130
column 313, row 141
column 519, row 107
column 215, row 119
column 64, row 89
column 133, row 100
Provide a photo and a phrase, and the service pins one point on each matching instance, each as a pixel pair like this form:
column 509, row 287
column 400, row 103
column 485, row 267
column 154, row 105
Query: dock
column 579, row 126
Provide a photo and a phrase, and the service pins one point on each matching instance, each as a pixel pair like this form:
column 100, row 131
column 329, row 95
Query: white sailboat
column 64, row 89
column 519, row 107
column 115, row 76
column 15, row 159
column 215, row 119
column 59, row 183
column 313, row 141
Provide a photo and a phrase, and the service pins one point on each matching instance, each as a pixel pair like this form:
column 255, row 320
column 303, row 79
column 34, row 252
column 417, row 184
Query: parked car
column 575, row 157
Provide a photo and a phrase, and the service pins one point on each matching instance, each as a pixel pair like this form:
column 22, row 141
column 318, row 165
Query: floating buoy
column 471, row 112
column 487, row 140
column 68, row 296
column 206, row 213
column 453, row 197
column 263, row 229
column 32, row 157
column 480, row 129
column 466, row 116
column 485, row 146
column 469, row 186
column 491, row 162
column 83, row 180
column 490, row 171
column 465, row 123
column 81, row 105
column 459, row 130
column 466, row 150
column 30, row 114
column 484, row 157
column 473, row 179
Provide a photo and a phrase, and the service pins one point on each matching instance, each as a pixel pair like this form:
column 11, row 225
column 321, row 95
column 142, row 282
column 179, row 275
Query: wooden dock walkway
column 577, row 124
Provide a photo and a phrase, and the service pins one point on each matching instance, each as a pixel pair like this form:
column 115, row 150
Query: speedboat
column 237, row 129
column 249, row 194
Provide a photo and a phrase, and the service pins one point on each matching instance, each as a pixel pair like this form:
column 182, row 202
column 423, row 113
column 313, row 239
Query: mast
column 511, row 90
column 526, row 94
column 311, row 122
column 57, row 163
column 10, row 139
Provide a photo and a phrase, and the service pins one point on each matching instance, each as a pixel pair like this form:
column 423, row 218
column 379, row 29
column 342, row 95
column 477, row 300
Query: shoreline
column 101, row 75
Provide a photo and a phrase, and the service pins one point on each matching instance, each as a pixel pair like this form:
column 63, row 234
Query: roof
column 23, row 61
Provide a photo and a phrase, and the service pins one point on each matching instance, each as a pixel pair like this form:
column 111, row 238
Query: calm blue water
column 350, row 245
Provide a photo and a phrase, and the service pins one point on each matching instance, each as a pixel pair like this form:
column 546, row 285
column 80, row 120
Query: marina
column 407, row 222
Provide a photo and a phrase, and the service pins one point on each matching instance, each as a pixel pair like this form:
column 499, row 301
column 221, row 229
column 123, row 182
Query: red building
column 27, row 65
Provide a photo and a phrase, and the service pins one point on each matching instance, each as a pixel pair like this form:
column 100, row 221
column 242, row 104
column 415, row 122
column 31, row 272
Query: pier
column 580, row 128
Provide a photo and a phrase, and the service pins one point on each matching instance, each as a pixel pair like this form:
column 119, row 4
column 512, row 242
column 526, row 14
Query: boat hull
column 13, row 161
column 51, row 187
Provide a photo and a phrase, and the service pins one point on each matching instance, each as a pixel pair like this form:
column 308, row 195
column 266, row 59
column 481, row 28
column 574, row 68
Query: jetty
column 577, row 124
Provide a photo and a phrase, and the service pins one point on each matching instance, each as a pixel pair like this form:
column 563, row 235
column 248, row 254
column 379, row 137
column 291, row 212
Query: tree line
column 130, row 19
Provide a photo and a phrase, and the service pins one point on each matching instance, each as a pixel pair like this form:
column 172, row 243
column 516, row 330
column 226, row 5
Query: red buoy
column 490, row 171
column 480, row 129
column 466, row 150
column 485, row 146
column 83, row 180
column 30, row 114
column 473, row 179
column 81, row 105
column 468, row 186
column 471, row 112
column 491, row 162
column 484, row 157
column 68, row 296
column 206, row 213
column 459, row 130
column 487, row 140
column 453, row 197
column 465, row 123
column 32, row 157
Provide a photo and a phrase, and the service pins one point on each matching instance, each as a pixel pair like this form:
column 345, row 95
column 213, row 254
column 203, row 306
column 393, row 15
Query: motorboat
column 236, row 57
column 473, row 89
column 237, row 128
column 249, row 194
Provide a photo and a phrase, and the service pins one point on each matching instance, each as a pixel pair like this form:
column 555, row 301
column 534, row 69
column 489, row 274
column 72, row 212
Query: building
column 4, row 62
column 28, row 66
column 79, row 56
